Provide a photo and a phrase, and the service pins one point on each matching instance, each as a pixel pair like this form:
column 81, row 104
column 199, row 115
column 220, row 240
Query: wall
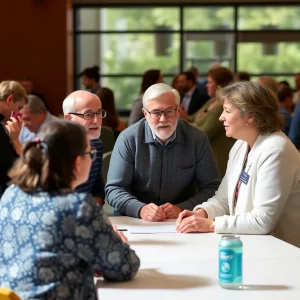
column 110, row 2
column 34, row 44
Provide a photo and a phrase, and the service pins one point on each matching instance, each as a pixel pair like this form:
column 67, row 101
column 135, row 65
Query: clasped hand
column 153, row 213
column 194, row 221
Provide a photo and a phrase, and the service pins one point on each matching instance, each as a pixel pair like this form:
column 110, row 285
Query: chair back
column 105, row 165
column 108, row 138
column 7, row 294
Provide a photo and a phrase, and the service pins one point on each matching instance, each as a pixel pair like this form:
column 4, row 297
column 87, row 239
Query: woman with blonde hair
column 261, row 189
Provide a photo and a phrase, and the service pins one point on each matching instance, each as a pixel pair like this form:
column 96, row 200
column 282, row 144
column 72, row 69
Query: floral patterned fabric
column 50, row 245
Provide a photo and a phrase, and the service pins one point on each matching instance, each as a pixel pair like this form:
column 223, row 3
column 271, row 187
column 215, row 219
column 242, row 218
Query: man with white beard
column 85, row 108
column 160, row 165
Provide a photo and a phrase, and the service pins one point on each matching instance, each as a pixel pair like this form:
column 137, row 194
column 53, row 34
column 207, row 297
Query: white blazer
column 270, row 201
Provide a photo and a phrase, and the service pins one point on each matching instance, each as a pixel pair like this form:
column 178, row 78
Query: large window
column 126, row 41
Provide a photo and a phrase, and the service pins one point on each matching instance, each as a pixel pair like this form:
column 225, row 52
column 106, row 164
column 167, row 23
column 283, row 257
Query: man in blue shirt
column 34, row 115
column 85, row 108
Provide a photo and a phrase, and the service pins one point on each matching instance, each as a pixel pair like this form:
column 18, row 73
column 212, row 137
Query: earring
column 247, row 124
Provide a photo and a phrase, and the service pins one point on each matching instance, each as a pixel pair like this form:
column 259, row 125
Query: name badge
column 244, row 178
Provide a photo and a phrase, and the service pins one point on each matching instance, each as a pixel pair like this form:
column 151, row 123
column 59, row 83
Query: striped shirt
column 95, row 183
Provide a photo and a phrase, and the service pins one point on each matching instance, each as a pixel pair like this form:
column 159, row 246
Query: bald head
column 79, row 106
column 78, row 99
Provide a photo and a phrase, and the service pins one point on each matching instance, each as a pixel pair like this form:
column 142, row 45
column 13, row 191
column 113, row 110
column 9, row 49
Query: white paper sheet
column 152, row 229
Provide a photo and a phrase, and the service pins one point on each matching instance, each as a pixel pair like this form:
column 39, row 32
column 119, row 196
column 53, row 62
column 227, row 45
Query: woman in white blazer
column 260, row 193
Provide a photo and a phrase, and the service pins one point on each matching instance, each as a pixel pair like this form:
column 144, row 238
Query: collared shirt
column 95, row 89
column 26, row 135
column 141, row 171
column 169, row 141
column 187, row 98
column 95, row 183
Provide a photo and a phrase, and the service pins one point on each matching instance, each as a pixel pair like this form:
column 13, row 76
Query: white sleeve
column 275, row 180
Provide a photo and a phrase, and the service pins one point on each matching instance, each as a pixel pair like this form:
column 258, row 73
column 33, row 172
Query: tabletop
column 174, row 266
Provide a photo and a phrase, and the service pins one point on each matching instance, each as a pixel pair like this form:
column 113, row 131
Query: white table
column 185, row 267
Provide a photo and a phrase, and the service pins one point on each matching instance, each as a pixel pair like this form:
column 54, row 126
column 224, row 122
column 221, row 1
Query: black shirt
column 7, row 156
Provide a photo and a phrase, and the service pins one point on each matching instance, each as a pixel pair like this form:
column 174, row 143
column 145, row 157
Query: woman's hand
column 194, row 221
column 121, row 235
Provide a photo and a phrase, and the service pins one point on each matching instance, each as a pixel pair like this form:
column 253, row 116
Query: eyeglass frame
column 92, row 153
column 102, row 111
column 162, row 112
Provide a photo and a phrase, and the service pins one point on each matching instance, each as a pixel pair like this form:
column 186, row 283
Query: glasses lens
column 89, row 116
column 155, row 114
column 170, row 113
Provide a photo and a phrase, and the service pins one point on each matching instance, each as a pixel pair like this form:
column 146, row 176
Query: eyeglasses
column 92, row 153
column 156, row 114
column 91, row 115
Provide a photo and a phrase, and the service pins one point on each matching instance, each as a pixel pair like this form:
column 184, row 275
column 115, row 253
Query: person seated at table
column 261, row 189
column 52, row 238
column 162, row 164
column 34, row 115
column 85, row 108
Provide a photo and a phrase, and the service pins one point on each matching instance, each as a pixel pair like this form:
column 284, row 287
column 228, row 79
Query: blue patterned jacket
column 50, row 245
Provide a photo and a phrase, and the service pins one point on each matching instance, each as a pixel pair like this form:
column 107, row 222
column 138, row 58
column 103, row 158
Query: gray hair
column 68, row 105
column 35, row 104
column 158, row 89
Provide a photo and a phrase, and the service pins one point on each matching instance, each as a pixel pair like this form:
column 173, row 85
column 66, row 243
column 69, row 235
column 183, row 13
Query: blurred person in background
column 28, row 85
column 90, row 79
column 285, row 102
column 270, row 82
column 207, row 117
column 241, row 76
column 34, row 115
column 150, row 77
column 112, row 118
column 192, row 98
column 296, row 97
column 12, row 98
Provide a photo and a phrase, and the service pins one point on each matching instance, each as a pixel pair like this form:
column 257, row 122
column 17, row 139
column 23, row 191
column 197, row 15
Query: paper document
column 152, row 229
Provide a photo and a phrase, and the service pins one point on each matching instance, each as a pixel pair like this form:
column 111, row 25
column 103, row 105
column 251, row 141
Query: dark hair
column 91, row 73
column 284, row 83
column 222, row 76
column 189, row 76
column 243, row 76
column 284, row 92
column 194, row 70
column 107, row 98
column 47, row 163
column 175, row 78
column 150, row 77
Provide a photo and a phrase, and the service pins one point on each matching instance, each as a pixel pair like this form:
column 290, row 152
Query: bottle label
column 230, row 266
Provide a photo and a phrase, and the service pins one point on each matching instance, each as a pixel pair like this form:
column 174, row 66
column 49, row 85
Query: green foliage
column 135, row 53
